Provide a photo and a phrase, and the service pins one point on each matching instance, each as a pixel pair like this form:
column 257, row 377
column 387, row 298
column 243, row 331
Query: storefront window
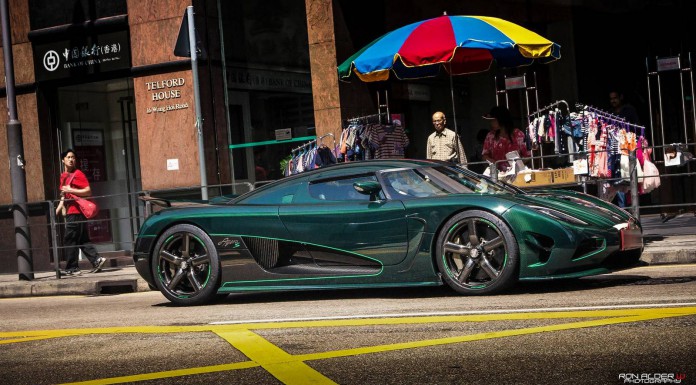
column 268, row 82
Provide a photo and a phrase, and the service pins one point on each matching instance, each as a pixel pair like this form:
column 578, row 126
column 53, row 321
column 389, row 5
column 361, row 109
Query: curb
column 73, row 287
column 669, row 257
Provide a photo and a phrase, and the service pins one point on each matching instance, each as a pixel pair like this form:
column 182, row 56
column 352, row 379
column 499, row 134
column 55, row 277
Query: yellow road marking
column 292, row 369
column 169, row 374
column 283, row 366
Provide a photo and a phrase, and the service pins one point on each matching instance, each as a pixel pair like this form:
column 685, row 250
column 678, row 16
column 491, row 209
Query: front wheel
column 186, row 266
column 477, row 253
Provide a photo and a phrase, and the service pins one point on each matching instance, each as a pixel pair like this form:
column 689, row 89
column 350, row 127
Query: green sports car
column 382, row 223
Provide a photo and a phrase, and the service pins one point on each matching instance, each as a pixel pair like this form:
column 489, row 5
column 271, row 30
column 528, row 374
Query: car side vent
column 265, row 251
column 588, row 246
column 542, row 244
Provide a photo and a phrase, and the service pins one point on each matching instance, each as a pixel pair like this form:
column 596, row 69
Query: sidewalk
column 672, row 242
column 112, row 280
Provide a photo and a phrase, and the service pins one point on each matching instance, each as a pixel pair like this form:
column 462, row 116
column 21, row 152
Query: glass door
column 98, row 121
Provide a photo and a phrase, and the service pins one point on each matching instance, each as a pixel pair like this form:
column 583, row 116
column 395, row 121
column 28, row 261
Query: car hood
column 582, row 206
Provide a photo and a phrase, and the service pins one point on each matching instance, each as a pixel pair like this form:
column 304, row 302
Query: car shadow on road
column 575, row 284
column 521, row 288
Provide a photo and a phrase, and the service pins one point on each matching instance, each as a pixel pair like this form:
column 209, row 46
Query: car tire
column 186, row 275
column 484, row 261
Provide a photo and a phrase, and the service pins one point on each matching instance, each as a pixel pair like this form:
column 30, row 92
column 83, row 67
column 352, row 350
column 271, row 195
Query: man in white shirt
column 443, row 143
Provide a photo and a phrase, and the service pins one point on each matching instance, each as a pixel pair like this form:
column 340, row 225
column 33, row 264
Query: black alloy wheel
column 477, row 253
column 186, row 266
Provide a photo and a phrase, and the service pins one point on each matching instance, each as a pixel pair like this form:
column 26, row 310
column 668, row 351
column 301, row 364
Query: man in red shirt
column 73, row 182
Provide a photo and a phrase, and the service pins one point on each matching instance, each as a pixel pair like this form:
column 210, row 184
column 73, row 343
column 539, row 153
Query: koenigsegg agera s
column 382, row 223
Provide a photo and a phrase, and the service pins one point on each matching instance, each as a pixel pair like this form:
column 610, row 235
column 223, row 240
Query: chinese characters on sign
column 82, row 55
column 90, row 145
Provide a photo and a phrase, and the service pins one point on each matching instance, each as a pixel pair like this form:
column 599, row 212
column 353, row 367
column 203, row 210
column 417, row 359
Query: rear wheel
column 477, row 253
column 186, row 266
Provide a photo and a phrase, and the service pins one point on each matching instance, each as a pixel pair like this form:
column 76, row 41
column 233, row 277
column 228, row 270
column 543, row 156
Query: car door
column 341, row 226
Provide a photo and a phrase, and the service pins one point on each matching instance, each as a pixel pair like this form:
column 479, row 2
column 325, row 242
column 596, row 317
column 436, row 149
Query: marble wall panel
column 26, row 113
column 153, row 42
column 327, row 119
column 23, row 64
column 322, row 54
column 166, row 135
column 320, row 23
column 19, row 21
column 145, row 11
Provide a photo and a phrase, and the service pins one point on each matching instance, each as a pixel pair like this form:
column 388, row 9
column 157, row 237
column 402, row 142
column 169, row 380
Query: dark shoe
column 666, row 217
column 72, row 272
column 98, row 264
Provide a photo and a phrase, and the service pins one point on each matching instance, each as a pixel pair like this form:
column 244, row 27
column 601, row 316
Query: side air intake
column 265, row 251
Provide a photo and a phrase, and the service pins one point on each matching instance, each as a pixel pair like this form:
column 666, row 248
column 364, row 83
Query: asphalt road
column 597, row 330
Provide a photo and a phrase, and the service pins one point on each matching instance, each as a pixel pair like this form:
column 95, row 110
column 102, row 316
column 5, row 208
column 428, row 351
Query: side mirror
column 371, row 188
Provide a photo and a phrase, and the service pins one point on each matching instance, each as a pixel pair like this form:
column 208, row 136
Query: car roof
column 348, row 168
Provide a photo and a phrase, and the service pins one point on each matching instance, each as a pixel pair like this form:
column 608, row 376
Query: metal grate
column 265, row 251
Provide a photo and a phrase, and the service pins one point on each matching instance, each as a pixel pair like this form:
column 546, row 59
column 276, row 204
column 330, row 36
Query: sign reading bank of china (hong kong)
column 82, row 55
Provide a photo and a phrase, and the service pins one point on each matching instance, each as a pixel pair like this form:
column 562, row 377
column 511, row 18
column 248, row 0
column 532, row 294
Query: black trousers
column 76, row 238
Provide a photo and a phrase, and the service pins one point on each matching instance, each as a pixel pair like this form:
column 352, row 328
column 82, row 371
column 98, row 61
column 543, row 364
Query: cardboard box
column 563, row 175
column 533, row 178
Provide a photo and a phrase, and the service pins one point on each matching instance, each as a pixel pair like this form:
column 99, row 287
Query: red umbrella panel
column 459, row 44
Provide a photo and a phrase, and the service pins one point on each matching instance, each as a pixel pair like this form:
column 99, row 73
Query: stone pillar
column 26, row 109
column 322, row 55
column 163, row 101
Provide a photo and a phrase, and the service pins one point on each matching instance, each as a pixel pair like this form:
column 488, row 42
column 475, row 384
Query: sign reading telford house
column 165, row 95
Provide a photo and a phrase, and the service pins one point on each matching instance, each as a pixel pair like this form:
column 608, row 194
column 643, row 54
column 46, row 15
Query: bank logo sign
column 51, row 60
column 82, row 55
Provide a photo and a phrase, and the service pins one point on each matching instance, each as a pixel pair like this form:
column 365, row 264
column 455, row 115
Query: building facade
column 102, row 77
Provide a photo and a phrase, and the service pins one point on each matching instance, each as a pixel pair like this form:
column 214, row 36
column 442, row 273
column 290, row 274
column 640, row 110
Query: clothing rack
column 538, row 113
column 315, row 142
column 550, row 106
column 369, row 118
column 618, row 119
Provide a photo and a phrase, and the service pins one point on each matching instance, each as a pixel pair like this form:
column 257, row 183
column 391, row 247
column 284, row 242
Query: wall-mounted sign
column 268, row 80
column 172, row 164
column 418, row 92
column 283, row 134
column 515, row 83
column 82, row 55
column 89, row 145
column 668, row 64
column 165, row 95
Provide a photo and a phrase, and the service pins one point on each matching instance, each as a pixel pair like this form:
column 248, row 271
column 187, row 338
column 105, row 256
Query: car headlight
column 561, row 216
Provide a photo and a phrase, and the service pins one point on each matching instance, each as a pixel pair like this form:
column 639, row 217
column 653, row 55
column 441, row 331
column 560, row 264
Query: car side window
column 282, row 195
column 339, row 189
column 404, row 184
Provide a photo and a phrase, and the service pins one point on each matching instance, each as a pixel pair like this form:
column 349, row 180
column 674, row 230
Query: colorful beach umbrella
column 459, row 44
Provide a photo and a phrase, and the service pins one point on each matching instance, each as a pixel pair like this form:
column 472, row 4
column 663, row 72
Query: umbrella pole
column 454, row 115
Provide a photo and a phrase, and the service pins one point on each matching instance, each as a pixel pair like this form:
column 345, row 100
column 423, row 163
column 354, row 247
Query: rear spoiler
column 164, row 203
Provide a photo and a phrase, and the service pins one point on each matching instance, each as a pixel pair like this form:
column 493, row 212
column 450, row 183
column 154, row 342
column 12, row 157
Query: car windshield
column 442, row 180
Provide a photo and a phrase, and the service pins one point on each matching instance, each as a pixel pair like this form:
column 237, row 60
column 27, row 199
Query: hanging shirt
column 390, row 141
column 497, row 148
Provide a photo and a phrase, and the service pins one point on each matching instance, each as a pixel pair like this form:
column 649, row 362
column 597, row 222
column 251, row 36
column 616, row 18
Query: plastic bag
column 651, row 176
